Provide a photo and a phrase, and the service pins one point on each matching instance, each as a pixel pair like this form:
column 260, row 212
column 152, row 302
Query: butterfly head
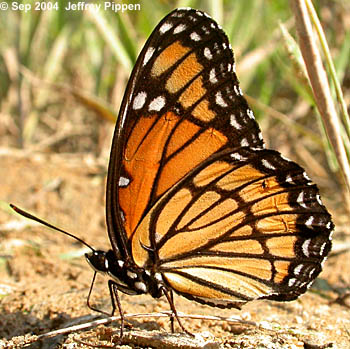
column 97, row 260
column 130, row 279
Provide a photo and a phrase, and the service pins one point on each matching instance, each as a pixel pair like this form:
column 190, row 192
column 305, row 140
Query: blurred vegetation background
column 63, row 75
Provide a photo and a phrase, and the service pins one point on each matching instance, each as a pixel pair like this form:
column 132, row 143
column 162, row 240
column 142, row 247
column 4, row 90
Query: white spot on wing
column 284, row 158
column 212, row 76
column 234, row 123
column 318, row 198
column 305, row 247
column 310, row 283
column 250, row 113
column 322, row 248
column 292, row 282
column 123, row 181
column 267, row 164
column 165, row 27
column 139, row 100
column 205, row 30
column 312, row 271
column 219, row 100
column 244, row 142
column 298, row 269
column 289, row 179
column 148, row 55
column 179, row 28
column 236, row 156
column 122, row 215
column 306, row 176
column 157, row 103
column 309, row 221
column 229, row 93
column 300, row 200
column 183, row 9
column 195, row 37
column 207, row 53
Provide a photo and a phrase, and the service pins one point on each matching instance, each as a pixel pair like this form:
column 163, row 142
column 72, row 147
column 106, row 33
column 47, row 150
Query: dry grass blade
column 162, row 339
column 111, row 39
column 330, row 64
column 283, row 118
column 97, row 105
column 320, row 85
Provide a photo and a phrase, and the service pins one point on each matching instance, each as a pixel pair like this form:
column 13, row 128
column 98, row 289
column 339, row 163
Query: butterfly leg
column 113, row 290
column 172, row 313
column 89, row 295
column 169, row 297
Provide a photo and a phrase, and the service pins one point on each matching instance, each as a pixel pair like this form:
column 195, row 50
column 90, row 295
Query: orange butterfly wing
column 192, row 195
column 183, row 104
column 236, row 229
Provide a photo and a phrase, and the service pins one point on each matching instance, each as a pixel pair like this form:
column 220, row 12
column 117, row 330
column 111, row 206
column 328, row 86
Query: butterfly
column 195, row 203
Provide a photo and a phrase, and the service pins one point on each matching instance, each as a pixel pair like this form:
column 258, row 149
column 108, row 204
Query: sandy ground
column 44, row 278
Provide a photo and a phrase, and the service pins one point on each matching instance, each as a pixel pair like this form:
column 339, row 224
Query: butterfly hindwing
column 183, row 104
column 244, row 225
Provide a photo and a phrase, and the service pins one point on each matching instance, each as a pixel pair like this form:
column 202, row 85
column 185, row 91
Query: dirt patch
column 45, row 279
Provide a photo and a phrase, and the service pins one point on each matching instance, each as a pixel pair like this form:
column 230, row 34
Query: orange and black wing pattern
column 244, row 225
column 182, row 104
column 191, row 191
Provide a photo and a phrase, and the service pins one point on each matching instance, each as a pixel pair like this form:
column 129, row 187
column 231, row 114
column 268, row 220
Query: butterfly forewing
column 183, row 104
column 192, row 194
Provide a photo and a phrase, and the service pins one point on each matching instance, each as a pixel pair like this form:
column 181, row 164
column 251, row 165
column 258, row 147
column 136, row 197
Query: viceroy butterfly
column 195, row 203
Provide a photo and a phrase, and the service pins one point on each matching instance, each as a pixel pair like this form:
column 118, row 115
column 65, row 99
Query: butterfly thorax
column 130, row 279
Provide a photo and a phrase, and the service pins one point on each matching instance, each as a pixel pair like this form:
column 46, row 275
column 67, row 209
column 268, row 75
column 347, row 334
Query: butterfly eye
column 97, row 260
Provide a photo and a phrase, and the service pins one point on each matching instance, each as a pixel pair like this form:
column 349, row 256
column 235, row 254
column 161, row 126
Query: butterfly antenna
column 30, row 216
